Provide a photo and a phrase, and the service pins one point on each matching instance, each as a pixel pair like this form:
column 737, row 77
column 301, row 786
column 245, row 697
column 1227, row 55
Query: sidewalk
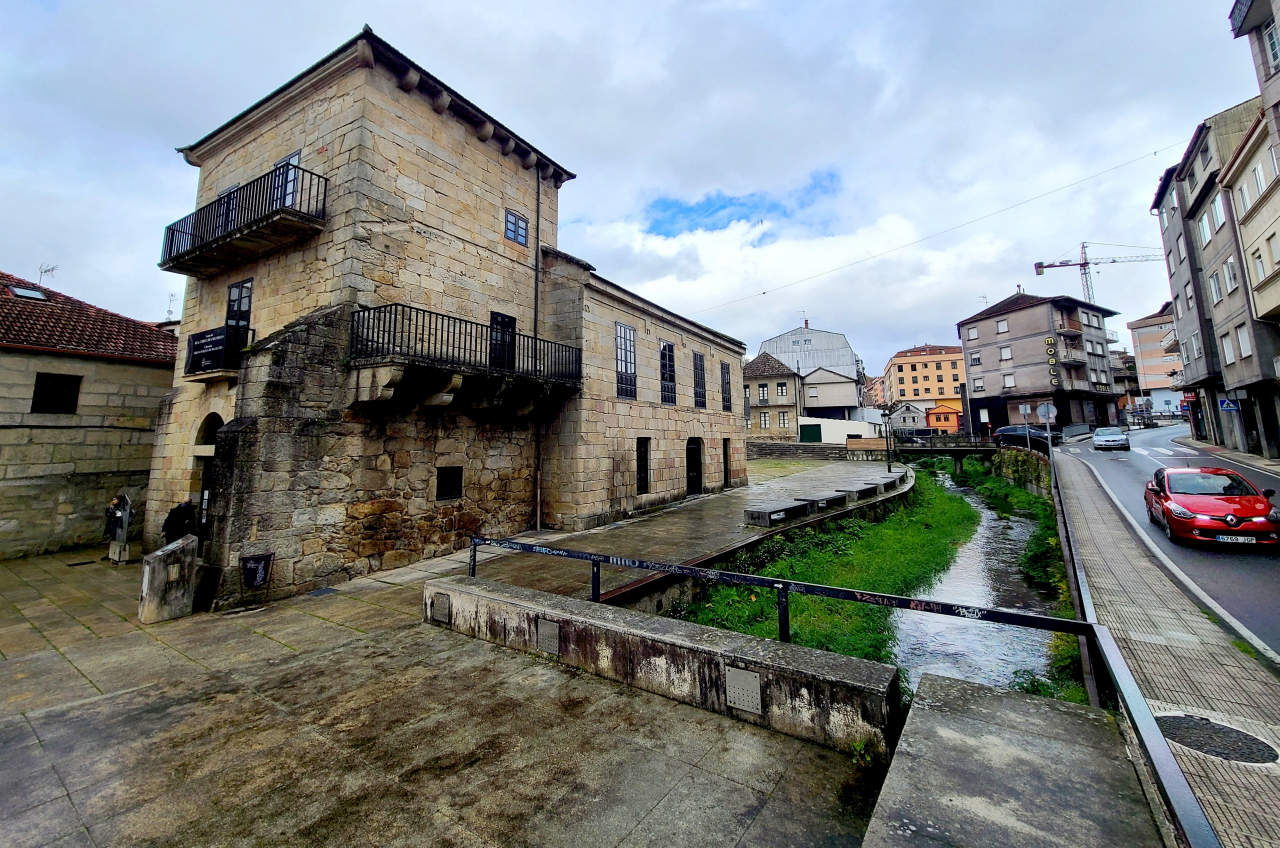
column 1252, row 460
column 1182, row 661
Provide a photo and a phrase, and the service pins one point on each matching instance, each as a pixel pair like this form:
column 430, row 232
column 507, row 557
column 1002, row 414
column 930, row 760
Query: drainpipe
column 537, row 278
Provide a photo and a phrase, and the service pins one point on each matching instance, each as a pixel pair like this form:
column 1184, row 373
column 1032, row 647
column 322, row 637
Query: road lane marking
column 1074, row 450
column 1244, row 632
column 1187, row 450
column 1164, row 451
column 1142, row 451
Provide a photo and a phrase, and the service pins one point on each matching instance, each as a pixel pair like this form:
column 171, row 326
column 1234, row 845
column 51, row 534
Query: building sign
column 206, row 351
column 256, row 570
column 1051, row 353
column 1227, row 405
column 1189, row 397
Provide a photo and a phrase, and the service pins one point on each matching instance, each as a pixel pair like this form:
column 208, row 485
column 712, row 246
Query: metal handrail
column 418, row 335
column 284, row 187
column 1189, row 816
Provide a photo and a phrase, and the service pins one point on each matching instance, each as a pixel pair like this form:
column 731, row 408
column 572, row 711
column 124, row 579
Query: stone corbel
column 364, row 53
column 484, row 131
column 366, row 385
column 410, row 80
column 441, row 102
column 530, row 159
column 444, row 397
column 508, row 146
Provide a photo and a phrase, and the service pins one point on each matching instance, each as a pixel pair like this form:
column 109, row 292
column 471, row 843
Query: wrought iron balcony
column 283, row 206
column 215, row 354
column 397, row 333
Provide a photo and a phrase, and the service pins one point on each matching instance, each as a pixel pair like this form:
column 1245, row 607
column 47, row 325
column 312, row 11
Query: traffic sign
column 1227, row 405
column 1047, row 412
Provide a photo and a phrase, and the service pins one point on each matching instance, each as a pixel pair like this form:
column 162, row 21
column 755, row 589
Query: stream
column 985, row 573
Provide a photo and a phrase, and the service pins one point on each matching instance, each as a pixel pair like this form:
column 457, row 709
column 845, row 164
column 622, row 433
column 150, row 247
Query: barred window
column 625, row 341
column 699, row 381
column 726, row 388
column 668, row 375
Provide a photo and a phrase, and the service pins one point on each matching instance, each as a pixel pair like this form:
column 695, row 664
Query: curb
column 1189, row 585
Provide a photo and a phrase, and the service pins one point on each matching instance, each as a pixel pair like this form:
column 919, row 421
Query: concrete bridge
column 903, row 449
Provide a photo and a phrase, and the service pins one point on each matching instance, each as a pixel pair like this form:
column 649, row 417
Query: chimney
column 806, row 323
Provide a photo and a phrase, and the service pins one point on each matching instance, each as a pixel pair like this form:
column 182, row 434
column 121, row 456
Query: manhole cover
column 1216, row 740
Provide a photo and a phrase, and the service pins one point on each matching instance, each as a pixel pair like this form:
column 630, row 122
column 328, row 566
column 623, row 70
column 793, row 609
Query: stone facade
column 771, row 391
column 339, row 465
column 58, row 472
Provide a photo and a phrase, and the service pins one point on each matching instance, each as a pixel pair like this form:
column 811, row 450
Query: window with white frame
column 782, row 390
column 813, row 392
column 1177, row 306
column 1259, row 180
column 1272, row 247
column 1228, row 353
column 1186, row 357
column 764, row 421
column 782, row 419
column 1205, row 233
column 1242, row 339
column 1009, row 381
column 1219, row 214
column 975, row 358
column 1002, row 326
column 1164, row 219
column 1190, row 293
column 973, row 333
column 1215, row 287
column 1275, row 163
column 979, row 384
column 1259, row 268
column 1242, row 198
column 1195, row 345
column 764, row 391
column 1006, row 353
column 1182, row 249
column 1231, row 274
column 1271, row 45
column 1168, row 263
column 1204, row 155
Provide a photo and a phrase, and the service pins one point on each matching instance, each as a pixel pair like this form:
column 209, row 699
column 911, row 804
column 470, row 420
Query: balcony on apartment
column 215, row 354
column 1113, row 337
column 1070, row 326
column 1072, row 355
column 281, row 207
column 1169, row 344
column 1076, row 386
column 432, row 358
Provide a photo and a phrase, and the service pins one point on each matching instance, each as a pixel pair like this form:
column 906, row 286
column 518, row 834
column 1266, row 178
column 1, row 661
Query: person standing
column 118, row 516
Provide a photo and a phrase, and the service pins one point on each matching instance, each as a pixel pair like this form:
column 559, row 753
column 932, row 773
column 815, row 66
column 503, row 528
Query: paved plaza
column 1182, row 661
column 339, row 718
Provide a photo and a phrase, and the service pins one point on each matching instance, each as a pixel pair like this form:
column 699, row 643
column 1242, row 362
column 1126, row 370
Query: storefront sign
column 1051, row 353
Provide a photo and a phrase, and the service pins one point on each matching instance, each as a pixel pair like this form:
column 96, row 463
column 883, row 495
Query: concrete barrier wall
column 827, row 698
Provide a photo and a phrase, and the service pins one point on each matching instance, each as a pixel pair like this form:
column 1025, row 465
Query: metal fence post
column 595, row 581
column 471, row 563
column 784, row 614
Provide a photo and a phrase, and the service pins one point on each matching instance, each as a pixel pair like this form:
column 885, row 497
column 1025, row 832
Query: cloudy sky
column 722, row 148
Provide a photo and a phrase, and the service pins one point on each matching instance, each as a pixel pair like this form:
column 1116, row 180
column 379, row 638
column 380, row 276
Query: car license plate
column 1248, row 540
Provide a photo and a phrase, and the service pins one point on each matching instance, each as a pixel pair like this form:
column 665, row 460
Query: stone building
column 771, row 391
column 80, row 388
column 1028, row 350
column 385, row 352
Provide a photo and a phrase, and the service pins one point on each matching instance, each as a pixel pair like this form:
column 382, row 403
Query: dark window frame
column 624, row 341
column 642, row 465
column 667, row 369
column 699, row 381
column 726, row 388
column 516, row 228
column 53, row 395
column 446, row 485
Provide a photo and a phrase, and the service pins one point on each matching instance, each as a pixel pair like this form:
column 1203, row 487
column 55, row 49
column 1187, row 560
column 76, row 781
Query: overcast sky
column 722, row 148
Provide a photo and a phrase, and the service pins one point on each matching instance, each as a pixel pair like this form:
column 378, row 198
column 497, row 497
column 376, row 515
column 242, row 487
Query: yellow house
column 924, row 373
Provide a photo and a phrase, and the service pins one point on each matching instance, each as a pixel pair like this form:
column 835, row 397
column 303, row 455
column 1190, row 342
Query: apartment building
column 1028, row 350
column 925, row 373
column 1156, row 357
column 80, row 391
column 771, row 393
column 385, row 352
column 873, row 392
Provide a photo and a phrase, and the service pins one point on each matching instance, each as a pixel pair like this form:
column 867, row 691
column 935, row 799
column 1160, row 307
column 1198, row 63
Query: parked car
column 1110, row 438
column 1016, row 435
column 1211, row 504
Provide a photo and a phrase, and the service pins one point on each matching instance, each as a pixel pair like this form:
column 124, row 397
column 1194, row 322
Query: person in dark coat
column 181, row 521
column 114, row 517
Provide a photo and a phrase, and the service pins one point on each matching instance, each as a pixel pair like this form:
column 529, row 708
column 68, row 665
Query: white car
column 1110, row 438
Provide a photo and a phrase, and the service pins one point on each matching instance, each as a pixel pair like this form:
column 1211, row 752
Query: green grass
column 1245, row 648
column 898, row 555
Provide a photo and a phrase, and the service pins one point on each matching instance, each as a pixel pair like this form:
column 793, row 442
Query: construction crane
column 1086, row 279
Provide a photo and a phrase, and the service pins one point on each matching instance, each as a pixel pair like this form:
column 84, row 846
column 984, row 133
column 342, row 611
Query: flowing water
column 985, row 573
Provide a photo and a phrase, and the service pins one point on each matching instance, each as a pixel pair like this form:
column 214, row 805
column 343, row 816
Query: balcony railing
column 1076, row 385
column 416, row 335
column 216, row 350
column 280, row 207
column 1113, row 336
column 1072, row 354
column 1067, row 325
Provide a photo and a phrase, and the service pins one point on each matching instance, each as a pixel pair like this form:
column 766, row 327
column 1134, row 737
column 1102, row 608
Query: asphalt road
column 1245, row 581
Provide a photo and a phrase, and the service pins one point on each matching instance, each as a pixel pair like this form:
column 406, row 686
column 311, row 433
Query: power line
column 938, row 233
column 1134, row 246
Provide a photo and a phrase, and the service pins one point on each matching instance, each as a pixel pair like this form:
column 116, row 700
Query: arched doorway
column 206, row 438
column 693, row 467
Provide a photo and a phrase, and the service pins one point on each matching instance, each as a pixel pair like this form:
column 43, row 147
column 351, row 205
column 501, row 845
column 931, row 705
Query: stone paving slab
column 1182, row 662
column 342, row 719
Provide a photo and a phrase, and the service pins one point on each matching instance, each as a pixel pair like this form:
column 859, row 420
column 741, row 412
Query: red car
column 1211, row 504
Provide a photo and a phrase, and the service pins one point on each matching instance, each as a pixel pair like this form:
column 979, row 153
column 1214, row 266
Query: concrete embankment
column 834, row 700
column 978, row 767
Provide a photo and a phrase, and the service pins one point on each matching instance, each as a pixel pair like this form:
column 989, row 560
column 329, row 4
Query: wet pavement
column 339, row 718
column 682, row 532
column 986, row 574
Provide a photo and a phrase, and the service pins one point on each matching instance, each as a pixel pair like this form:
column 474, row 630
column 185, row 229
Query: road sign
column 1227, row 405
column 1047, row 412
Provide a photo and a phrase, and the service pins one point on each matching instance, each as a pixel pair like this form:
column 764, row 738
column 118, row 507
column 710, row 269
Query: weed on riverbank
column 899, row 554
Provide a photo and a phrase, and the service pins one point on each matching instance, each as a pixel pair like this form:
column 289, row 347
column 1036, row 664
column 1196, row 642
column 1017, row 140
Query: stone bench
column 825, row 500
column 864, row 491
column 769, row 514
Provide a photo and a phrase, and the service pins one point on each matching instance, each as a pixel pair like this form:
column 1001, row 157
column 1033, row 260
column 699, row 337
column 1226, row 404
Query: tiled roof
column 928, row 350
column 62, row 323
column 765, row 365
column 1022, row 300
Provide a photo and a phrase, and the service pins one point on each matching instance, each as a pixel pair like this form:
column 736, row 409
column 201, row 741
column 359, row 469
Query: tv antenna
column 46, row 270
column 168, row 316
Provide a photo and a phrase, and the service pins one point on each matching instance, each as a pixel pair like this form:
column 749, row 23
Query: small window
column 1002, row 326
column 449, row 483
column 1228, row 352
column 795, row 343
column 1177, row 306
column 899, row 369
column 625, row 359
column 1219, row 215
column 926, row 378
column 29, row 294
column 782, row 419
column 642, row 465
column 975, row 358
column 1204, row 155
column 928, row 391
column 1271, row 44
column 1242, row 336
column 1006, row 353
column 1196, row 346
column 979, row 384
column 1182, row 249
column 808, row 341
column 764, row 421
column 902, row 381
column 1009, row 381
column 764, row 391
column 699, row 381
column 915, row 379
column 1259, row 179
column 726, row 388
column 913, row 366
column 1259, row 269
column 813, row 392
column 1205, row 233
column 1168, row 263
column 902, row 392
column 1215, row 287
column 973, row 333
column 955, row 363
column 1164, row 219
column 667, row 357
column 1232, row 275
column 782, row 390
column 955, row 378
column 56, row 394
column 937, row 366
column 1190, row 293
column 517, row 229
column 915, row 392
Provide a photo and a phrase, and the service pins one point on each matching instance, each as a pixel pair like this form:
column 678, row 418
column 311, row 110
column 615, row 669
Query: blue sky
column 723, row 148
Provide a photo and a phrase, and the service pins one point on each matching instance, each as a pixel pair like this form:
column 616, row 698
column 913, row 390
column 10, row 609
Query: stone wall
column 59, row 472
